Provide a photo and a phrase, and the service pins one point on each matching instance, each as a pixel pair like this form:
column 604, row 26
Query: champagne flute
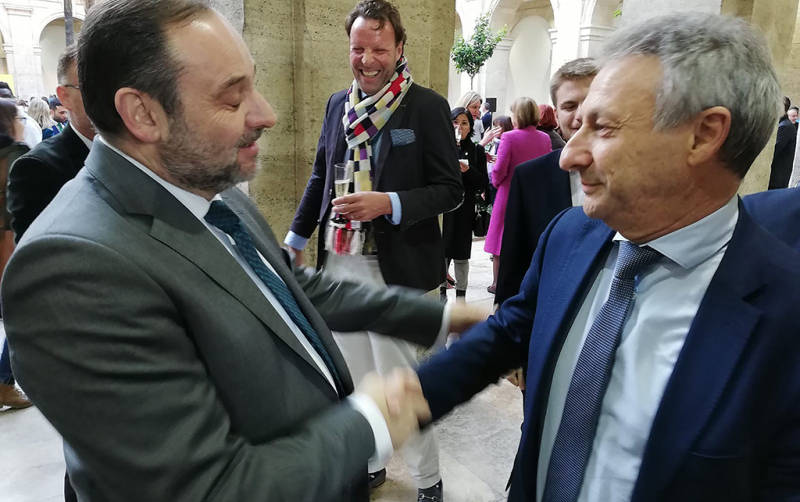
column 343, row 176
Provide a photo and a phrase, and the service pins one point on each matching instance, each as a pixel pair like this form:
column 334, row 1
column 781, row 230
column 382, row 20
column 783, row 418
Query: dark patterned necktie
column 226, row 220
column 573, row 442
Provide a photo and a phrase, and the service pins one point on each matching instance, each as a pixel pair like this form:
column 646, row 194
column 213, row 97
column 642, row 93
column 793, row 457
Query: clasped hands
column 363, row 206
column 401, row 402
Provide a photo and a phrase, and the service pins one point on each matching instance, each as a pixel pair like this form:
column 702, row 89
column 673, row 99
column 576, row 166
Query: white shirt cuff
column 397, row 209
column 383, row 441
column 444, row 330
column 295, row 241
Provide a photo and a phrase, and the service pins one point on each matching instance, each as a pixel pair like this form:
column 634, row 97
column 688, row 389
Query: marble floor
column 477, row 441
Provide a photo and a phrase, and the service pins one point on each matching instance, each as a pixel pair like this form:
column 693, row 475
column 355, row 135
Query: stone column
column 776, row 19
column 301, row 52
column 592, row 38
column 496, row 73
column 21, row 60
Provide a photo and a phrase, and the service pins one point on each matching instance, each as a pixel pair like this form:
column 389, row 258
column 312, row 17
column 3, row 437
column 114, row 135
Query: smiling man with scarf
column 397, row 138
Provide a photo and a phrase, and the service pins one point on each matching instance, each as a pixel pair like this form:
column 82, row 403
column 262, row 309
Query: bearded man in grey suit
column 151, row 314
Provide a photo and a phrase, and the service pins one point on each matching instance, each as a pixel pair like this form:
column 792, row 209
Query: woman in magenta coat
column 522, row 144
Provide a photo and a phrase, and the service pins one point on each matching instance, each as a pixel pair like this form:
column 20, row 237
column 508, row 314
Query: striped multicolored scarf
column 363, row 119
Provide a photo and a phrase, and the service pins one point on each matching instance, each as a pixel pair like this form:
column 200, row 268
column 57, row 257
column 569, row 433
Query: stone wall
column 301, row 53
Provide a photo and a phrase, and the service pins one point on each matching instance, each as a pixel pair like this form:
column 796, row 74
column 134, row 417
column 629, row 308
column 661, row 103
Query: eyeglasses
column 72, row 86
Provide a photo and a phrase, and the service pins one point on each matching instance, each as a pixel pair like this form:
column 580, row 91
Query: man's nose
column 262, row 115
column 576, row 154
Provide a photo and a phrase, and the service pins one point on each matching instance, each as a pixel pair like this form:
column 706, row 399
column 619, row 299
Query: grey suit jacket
column 164, row 368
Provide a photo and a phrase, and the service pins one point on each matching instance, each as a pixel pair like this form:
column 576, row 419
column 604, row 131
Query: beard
column 199, row 165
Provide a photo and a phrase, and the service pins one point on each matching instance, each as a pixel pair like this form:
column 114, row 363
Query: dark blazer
column 36, row 177
column 423, row 171
column 778, row 211
column 728, row 425
column 539, row 191
column 457, row 224
column 783, row 156
column 162, row 365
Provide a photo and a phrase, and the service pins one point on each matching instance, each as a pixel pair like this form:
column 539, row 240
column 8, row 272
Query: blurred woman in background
column 548, row 125
column 457, row 224
column 524, row 143
column 472, row 102
column 40, row 112
column 11, row 147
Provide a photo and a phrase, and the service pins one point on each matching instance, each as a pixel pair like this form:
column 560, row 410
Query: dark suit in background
column 778, row 211
column 191, row 385
column 415, row 159
column 783, row 156
column 539, row 191
column 37, row 176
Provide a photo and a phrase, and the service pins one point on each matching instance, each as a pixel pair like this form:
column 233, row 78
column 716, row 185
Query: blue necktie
column 226, row 220
column 573, row 443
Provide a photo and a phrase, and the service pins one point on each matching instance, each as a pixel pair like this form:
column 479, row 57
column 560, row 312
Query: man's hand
column 463, row 316
column 399, row 397
column 298, row 256
column 363, row 206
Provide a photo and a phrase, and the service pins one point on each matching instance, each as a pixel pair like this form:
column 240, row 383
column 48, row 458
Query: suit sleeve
column 487, row 351
column 137, row 370
column 442, row 191
column 32, row 185
column 350, row 306
column 516, row 252
column 306, row 217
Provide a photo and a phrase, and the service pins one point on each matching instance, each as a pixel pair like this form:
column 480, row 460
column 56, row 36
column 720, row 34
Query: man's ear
column 63, row 96
column 143, row 116
column 711, row 129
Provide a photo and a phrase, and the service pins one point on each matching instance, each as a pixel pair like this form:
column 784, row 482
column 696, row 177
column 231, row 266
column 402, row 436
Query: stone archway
column 454, row 78
column 51, row 44
column 522, row 61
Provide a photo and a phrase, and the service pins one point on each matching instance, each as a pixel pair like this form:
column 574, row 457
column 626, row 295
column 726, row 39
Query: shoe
column 10, row 396
column 442, row 294
column 461, row 295
column 376, row 479
column 431, row 494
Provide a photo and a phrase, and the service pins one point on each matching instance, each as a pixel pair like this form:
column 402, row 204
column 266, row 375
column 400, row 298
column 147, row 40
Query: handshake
column 400, row 400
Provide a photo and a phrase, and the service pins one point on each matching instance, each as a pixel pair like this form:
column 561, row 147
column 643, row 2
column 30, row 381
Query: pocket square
column 402, row 137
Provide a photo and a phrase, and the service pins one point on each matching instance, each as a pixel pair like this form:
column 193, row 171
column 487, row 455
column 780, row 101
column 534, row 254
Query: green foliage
column 470, row 56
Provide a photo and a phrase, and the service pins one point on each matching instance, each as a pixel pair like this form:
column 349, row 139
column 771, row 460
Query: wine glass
column 343, row 176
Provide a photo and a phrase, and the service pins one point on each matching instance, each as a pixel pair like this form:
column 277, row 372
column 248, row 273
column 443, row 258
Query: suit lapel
column 715, row 342
column 277, row 259
column 555, row 311
column 176, row 227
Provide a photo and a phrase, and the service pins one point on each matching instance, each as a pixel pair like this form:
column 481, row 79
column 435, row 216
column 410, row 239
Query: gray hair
column 708, row 60
column 468, row 98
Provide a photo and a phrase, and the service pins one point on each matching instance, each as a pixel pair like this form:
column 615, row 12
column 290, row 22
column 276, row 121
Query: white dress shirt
column 667, row 298
column 199, row 207
column 576, row 189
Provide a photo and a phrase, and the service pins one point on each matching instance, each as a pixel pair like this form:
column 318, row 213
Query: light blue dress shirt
column 667, row 298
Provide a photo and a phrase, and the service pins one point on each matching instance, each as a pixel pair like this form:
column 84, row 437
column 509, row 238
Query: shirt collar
column 692, row 245
column 196, row 204
column 86, row 141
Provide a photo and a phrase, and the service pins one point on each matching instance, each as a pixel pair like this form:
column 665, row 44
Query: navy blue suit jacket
column 779, row 212
column 420, row 166
column 539, row 191
column 728, row 425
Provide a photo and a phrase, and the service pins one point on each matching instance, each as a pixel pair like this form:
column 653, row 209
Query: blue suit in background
column 778, row 211
column 728, row 424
